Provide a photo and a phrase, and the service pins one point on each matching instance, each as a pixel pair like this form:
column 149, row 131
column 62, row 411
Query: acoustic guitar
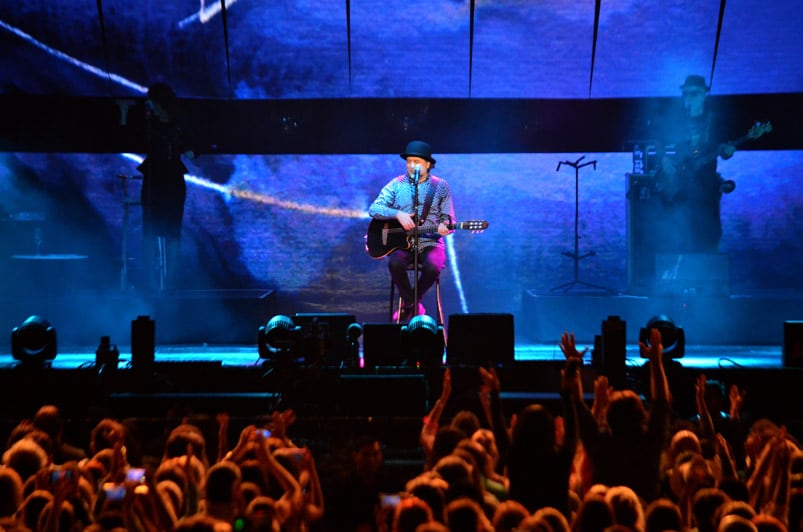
column 386, row 236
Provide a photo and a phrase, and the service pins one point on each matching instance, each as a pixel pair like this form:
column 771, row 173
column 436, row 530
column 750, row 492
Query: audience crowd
column 627, row 462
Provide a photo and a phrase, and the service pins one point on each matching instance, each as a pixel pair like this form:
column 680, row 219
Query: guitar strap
column 433, row 186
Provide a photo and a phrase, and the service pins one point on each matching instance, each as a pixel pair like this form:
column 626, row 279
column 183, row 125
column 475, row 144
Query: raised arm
column 432, row 420
column 654, row 352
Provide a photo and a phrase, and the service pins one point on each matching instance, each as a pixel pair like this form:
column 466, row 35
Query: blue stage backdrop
column 296, row 223
column 399, row 48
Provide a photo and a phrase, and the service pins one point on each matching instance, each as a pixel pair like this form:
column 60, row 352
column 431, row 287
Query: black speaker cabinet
column 657, row 261
column 480, row 339
column 793, row 344
column 325, row 338
column 382, row 345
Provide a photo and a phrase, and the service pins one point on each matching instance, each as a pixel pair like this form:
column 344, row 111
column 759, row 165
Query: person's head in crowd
column 367, row 457
column 98, row 466
column 594, row 514
column 32, row 506
column 261, row 514
column 705, row 504
column 469, row 456
column 769, row 523
column 796, row 466
column 508, row 516
column 105, row 434
column 691, row 470
column 534, row 523
column 26, row 457
column 743, row 508
column 249, row 491
column 26, row 431
column 171, row 470
column 65, row 516
column 446, row 439
column 222, row 484
column 431, row 489
column 467, row 421
column 184, row 436
column 628, row 509
column 477, row 452
column 432, row 526
column 715, row 397
column 487, row 439
column 201, row 523
column 466, row 514
column 557, row 521
column 683, row 440
column 48, row 419
column 458, row 474
column 662, row 514
column 409, row 513
column 626, row 415
column 534, row 431
column 736, row 523
column 195, row 473
column 10, row 491
column 761, row 432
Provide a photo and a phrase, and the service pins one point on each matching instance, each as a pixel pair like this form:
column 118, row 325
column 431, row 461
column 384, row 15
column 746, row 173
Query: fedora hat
column 418, row 148
column 694, row 81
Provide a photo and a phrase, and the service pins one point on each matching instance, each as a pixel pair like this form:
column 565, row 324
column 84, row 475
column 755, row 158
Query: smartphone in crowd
column 389, row 500
column 135, row 474
column 58, row 474
column 113, row 492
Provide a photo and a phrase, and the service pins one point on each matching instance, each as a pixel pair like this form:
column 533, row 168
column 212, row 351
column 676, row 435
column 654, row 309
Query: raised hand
column 653, row 351
column 568, row 346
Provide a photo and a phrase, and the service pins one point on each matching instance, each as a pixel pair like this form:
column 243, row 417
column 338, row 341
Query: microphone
column 417, row 172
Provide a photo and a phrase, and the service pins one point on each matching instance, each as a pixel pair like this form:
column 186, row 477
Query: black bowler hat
column 418, row 148
column 694, row 82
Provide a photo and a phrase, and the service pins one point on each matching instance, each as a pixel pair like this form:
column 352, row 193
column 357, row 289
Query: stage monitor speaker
column 793, row 344
column 614, row 351
column 643, row 213
column 382, row 345
column 325, row 337
column 480, row 339
column 143, row 344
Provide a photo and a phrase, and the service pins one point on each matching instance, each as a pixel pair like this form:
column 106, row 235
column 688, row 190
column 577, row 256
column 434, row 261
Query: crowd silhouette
column 627, row 462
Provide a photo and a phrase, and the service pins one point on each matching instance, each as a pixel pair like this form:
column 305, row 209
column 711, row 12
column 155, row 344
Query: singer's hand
column 405, row 220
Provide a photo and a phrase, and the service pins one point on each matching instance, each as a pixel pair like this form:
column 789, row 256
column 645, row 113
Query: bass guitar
column 386, row 236
column 676, row 178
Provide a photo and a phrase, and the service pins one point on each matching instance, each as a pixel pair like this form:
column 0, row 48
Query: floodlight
column 34, row 342
column 423, row 340
column 280, row 337
column 673, row 338
column 353, row 333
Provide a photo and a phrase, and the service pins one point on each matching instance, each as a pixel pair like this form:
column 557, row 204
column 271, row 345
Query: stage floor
column 696, row 356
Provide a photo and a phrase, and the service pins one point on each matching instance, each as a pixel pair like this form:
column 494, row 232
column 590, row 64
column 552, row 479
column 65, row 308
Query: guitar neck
column 431, row 228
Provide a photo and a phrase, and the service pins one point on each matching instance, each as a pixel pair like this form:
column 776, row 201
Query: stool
column 394, row 304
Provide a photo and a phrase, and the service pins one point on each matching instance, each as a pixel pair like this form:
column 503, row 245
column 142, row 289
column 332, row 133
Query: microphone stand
column 416, row 237
column 576, row 254
column 127, row 204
